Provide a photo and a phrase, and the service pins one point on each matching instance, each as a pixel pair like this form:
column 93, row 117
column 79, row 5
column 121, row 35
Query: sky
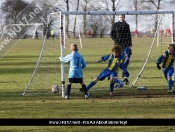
column 130, row 21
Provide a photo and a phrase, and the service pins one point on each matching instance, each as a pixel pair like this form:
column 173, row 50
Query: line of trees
column 10, row 10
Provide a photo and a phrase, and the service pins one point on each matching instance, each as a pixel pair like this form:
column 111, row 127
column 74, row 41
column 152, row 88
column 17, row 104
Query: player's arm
column 159, row 60
column 104, row 58
column 67, row 58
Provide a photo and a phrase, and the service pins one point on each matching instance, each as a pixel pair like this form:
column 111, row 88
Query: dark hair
column 117, row 49
column 172, row 45
column 122, row 15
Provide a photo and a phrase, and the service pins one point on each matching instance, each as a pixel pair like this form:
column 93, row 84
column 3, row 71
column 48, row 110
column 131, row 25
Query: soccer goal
column 20, row 31
column 49, row 71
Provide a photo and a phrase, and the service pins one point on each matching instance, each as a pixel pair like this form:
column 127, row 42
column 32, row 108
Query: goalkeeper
column 168, row 61
column 121, row 35
column 114, row 62
column 76, row 64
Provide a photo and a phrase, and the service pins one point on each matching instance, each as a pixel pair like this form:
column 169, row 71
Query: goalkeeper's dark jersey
column 120, row 34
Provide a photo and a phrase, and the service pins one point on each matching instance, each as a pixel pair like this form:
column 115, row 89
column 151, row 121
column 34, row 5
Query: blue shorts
column 168, row 72
column 106, row 73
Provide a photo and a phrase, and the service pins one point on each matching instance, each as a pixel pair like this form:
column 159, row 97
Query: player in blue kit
column 115, row 62
column 76, row 64
column 168, row 61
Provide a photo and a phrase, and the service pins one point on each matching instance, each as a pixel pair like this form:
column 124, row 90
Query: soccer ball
column 55, row 89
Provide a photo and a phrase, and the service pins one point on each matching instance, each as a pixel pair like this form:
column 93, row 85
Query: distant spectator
column 136, row 32
column 52, row 34
column 168, row 31
column 164, row 32
column 89, row 34
column 48, row 33
column 152, row 32
column 36, row 35
column 161, row 32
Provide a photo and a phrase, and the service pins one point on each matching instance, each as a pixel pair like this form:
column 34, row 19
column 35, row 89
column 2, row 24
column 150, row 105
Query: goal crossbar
column 113, row 12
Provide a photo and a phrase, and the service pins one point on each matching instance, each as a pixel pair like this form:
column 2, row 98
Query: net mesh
column 94, row 46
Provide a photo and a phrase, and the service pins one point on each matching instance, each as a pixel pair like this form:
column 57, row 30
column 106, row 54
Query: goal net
column 23, row 31
column 90, row 31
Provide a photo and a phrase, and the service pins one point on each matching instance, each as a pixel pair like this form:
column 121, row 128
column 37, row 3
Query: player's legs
column 84, row 89
column 118, row 83
column 126, row 53
column 112, row 82
column 169, row 79
column 91, row 84
column 111, row 85
column 68, row 89
column 105, row 73
column 165, row 71
column 74, row 80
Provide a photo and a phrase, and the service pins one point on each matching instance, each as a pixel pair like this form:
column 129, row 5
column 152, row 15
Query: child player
column 167, row 60
column 76, row 64
column 114, row 62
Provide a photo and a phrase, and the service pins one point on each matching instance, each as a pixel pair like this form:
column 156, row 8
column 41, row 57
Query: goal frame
column 62, row 26
column 62, row 39
column 31, row 24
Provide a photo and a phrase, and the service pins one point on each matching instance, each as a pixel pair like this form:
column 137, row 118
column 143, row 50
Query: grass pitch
column 17, row 66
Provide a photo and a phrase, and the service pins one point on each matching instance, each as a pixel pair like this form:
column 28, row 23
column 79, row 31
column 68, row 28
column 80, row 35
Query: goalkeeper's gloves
column 126, row 81
column 99, row 61
column 158, row 66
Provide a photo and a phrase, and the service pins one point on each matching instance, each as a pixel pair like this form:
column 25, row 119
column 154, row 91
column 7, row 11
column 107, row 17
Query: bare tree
column 11, row 9
column 13, row 12
column 84, row 5
column 75, row 20
column 107, row 6
column 136, row 4
column 2, row 17
column 153, row 5
column 114, row 8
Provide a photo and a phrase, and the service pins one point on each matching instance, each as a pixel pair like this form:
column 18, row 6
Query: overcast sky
column 130, row 21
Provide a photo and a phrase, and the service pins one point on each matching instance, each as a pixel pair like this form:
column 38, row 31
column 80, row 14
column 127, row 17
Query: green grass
column 17, row 66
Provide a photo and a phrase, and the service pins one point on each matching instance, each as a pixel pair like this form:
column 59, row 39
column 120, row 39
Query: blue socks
column 111, row 86
column 170, row 82
column 91, row 84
